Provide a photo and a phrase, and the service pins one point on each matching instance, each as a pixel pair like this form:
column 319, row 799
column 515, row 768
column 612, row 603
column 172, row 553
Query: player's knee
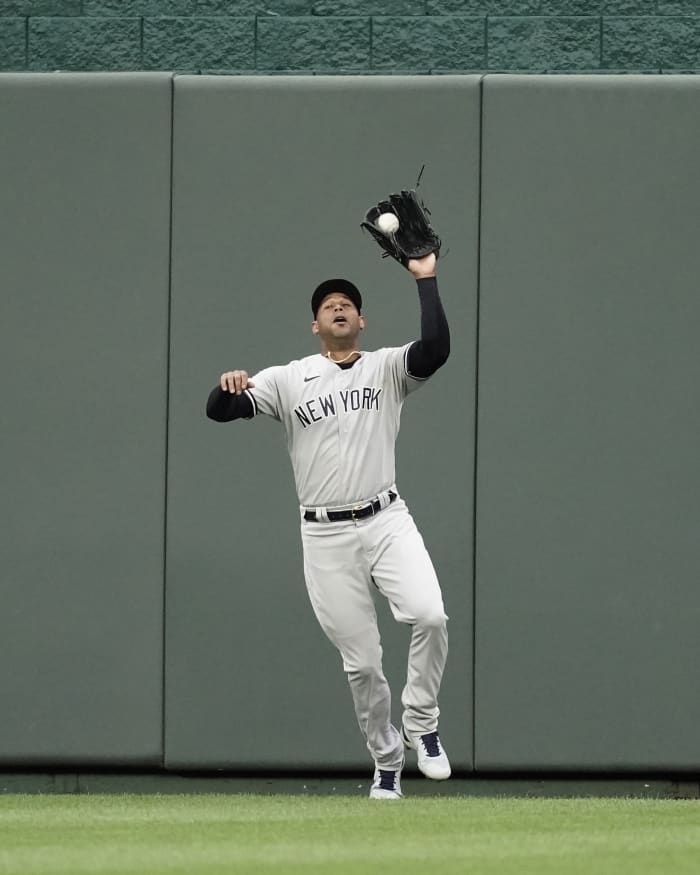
column 432, row 617
column 363, row 666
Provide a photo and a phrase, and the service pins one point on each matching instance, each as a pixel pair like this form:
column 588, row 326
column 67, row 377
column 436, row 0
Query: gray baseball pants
column 344, row 564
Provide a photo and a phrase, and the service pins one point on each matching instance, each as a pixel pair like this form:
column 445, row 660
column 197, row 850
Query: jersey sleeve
column 267, row 392
column 397, row 368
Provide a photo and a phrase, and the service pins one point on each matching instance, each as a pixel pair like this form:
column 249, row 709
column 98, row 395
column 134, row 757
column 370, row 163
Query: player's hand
column 423, row 267
column 235, row 382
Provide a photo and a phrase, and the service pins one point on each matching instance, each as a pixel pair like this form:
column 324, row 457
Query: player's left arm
column 429, row 353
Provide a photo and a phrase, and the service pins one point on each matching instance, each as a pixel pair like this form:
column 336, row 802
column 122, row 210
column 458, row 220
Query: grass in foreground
column 150, row 835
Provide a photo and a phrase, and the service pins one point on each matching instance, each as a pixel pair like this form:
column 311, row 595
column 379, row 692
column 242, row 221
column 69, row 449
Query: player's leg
column 404, row 573
column 340, row 589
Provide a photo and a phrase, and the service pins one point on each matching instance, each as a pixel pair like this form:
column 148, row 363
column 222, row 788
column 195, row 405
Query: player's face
column 337, row 318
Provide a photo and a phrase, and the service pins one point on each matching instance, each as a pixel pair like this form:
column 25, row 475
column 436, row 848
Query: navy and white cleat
column 386, row 784
column 432, row 759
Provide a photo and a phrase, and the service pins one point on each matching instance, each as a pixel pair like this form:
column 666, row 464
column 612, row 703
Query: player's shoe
column 386, row 784
column 432, row 759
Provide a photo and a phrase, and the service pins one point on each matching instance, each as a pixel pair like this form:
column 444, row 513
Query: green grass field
column 320, row 834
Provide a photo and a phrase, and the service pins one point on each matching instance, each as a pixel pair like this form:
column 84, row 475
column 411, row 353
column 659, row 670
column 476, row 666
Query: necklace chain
column 340, row 361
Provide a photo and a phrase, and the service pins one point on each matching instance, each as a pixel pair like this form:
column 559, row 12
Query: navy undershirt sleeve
column 429, row 353
column 223, row 406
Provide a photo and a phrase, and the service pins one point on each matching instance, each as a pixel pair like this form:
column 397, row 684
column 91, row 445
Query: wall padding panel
column 587, row 599
column 85, row 176
column 272, row 177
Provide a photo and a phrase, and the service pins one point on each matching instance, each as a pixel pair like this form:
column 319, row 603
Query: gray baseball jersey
column 341, row 424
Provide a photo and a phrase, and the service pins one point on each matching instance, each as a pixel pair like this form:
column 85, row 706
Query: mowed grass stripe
column 264, row 834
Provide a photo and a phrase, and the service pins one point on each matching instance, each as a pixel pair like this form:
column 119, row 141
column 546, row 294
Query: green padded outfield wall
column 587, row 552
column 85, row 181
column 271, row 180
column 587, row 598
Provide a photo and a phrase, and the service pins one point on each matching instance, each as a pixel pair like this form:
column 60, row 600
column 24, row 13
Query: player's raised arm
column 401, row 226
column 228, row 400
column 429, row 353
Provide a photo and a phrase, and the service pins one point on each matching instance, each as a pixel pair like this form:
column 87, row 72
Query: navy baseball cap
column 344, row 287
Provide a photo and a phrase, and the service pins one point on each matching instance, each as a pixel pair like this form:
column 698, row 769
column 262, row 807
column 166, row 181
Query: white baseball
column 387, row 223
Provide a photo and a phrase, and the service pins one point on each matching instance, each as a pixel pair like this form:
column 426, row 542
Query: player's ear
column 362, row 322
column 314, row 327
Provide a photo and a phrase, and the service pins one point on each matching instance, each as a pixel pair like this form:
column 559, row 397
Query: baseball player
column 340, row 409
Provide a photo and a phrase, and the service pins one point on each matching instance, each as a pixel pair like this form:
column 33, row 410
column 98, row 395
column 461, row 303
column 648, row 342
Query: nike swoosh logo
column 306, row 379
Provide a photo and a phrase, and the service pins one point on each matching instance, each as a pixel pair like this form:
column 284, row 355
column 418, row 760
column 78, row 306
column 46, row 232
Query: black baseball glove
column 412, row 238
